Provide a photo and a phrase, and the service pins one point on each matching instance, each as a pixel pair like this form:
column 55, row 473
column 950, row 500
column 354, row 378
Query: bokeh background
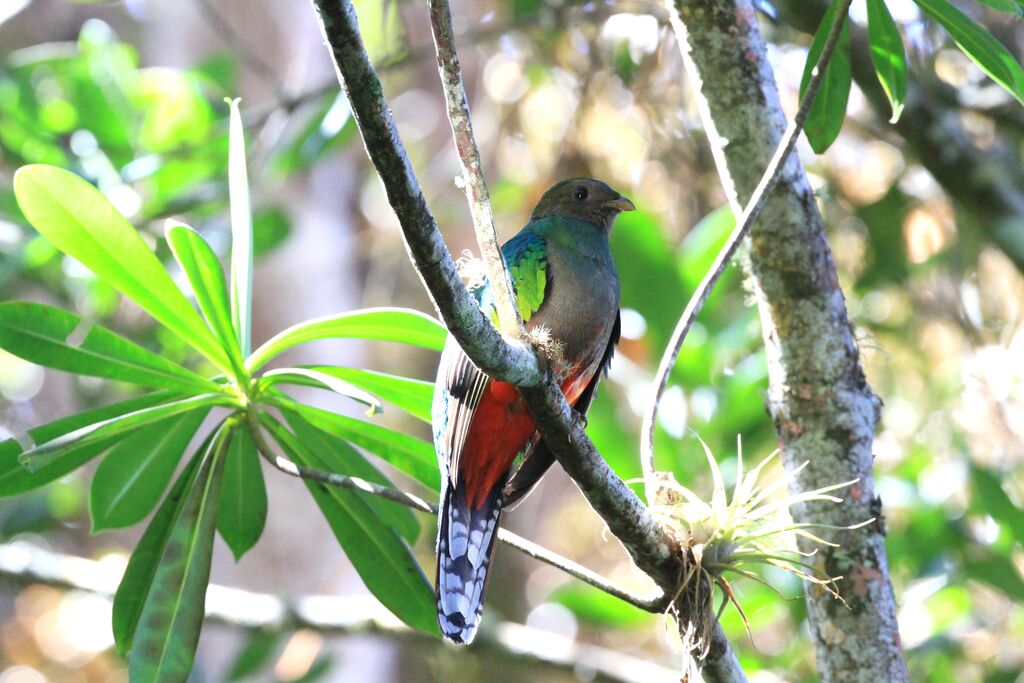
column 926, row 222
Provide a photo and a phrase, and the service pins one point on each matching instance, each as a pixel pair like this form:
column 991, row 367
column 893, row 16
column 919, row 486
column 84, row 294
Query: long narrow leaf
column 409, row 454
column 314, row 378
column 77, row 219
column 978, row 44
column 339, row 457
column 165, row 639
column 825, row 119
column 40, row 333
column 243, row 498
column 14, row 478
column 133, row 475
column 204, row 273
column 381, row 558
column 37, row 457
column 888, row 56
column 138, row 575
column 241, row 233
column 385, row 324
column 414, row 396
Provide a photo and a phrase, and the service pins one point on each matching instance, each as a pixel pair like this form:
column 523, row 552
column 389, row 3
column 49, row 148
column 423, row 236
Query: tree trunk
column 823, row 409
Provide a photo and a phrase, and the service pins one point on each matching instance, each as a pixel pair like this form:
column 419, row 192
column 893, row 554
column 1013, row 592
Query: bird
column 567, row 291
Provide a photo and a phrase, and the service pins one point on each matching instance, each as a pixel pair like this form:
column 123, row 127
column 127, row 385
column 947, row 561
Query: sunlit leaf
column 243, row 497
column 14, row 478
column 164, row 644
column 241, row 233
column 314, row 378
column 888, row 56
column 414, row 396
column 409, row 454
column 978, row 44
column 384, row 562
column 133, row 475
column 42, row 454
column 203, row 270
column 386, row 324
column 47, row 336
column 825, row 119
column 82, row 223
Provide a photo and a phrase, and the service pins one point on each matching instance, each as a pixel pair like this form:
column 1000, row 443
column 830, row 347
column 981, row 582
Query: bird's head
column 585, row 199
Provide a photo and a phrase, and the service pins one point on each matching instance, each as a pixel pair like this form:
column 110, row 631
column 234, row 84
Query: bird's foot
column 581, row 418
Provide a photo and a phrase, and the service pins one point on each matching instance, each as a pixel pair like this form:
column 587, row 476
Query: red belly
column 501, row 428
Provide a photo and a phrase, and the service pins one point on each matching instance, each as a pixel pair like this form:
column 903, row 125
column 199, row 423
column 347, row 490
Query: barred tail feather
column 465, row 544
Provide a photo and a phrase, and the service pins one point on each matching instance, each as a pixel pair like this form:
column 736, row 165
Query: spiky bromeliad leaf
column 133, row 475
column 77, row 219
column 825, row 119
column 164, row 644
column 383, row 560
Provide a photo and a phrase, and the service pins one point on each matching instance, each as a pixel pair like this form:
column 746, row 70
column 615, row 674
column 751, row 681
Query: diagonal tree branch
column 24, row 564
column 653, row 550
column 823, row 409
column 769, row 179
column 472, row 173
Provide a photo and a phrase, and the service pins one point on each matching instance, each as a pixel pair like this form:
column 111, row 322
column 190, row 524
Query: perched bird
column 567, row 291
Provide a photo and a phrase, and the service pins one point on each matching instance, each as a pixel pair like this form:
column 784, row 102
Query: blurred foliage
column 578, row 88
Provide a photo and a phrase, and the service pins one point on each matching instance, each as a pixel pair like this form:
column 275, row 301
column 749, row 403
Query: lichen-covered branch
column 472, row 173
column 24, row 564
column 823, row 409
column 750, row 214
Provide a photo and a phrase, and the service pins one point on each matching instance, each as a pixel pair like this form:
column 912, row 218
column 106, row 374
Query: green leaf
column 888, row 56
column 386, row 324
column 133, row 475
column 825, row 119
column 138, row 575
column 77, row 219
column 990, row 496
column 40, row 334
column 341, row 458
column 241, row 233
column 270, row 228
column 314, row 378
column 14, row 478
column 382, row 559
column 597, row 607
column 1008, row 6
column 37, row 457
column 409, row 454
column 414, row 396
column 999, row 572
column 243, row 497
column 200, row 264
column 978, row 44
column 256, row 653
column 164, row 644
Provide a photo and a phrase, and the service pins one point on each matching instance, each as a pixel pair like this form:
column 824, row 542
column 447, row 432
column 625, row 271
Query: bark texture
column 823, row 410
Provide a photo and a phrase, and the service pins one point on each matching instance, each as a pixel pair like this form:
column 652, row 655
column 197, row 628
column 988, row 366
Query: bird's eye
column 580, row 193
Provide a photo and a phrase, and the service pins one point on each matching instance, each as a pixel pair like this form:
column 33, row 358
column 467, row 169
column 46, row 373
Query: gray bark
column 823, row 410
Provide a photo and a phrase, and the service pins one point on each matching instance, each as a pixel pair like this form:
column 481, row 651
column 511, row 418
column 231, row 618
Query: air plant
column 734, row 536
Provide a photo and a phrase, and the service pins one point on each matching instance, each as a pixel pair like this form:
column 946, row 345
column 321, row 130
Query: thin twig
column 758, row 199
column 653, row 603
column 473, row 178
column 22, row 563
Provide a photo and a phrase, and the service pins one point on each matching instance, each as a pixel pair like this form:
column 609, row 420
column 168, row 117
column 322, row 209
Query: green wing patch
column 526, row 256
